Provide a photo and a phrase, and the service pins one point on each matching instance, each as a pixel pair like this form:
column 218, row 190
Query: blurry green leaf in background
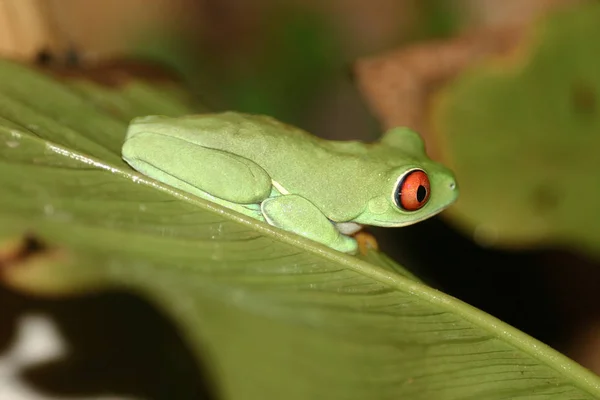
column 522, row 133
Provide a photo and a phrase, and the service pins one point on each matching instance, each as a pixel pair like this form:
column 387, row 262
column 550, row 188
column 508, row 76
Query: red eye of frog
column 413, row 190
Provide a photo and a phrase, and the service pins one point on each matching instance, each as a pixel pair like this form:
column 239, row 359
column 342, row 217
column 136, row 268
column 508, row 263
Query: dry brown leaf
column 398, row 86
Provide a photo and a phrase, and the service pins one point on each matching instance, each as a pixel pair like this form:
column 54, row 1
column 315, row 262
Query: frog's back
column 251, row 136
column 254, row 136
column 238, row 132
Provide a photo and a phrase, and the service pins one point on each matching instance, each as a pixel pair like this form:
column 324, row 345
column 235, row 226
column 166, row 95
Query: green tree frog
column 323, row 190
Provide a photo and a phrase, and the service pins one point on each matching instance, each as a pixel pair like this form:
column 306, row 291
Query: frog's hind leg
column 298, row 215
column 197, row 169
column 251, row 210
column 225, row 178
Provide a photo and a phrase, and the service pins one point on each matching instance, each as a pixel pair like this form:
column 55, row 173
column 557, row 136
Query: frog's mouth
column 388, row 224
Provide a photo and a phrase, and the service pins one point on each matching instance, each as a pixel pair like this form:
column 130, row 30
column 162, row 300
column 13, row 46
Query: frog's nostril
column 452, row 185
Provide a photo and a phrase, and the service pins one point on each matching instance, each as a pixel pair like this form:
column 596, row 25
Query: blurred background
column 516, row 245
column 292, row 59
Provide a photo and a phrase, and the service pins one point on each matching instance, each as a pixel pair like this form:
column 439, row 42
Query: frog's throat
column 348, row 228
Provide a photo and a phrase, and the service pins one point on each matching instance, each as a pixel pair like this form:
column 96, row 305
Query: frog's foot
column 296, row 214
column 366, row 242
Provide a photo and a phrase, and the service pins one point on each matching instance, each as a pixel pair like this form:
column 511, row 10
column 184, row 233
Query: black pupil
column 421, row 193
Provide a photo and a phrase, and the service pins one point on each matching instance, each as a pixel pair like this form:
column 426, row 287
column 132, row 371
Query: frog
column 324, row 190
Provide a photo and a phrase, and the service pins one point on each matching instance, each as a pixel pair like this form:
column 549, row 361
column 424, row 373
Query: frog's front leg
column 298, row 215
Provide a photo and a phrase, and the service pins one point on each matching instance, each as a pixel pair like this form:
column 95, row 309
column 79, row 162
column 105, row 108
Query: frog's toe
column 345, row 244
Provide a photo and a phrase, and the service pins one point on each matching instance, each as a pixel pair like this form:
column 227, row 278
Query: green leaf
column 274, row 315
column 521, row 134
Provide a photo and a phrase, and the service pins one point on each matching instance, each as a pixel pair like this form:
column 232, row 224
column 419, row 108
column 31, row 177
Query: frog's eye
column 413, row 190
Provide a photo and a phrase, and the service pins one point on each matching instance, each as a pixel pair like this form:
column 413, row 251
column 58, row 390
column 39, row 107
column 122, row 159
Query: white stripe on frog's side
column 279, row 187
column 348, row 228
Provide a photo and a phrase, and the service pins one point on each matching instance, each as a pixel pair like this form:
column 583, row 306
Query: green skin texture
column 285, row 176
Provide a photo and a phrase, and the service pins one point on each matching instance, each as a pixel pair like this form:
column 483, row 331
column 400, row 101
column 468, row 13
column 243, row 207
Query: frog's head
column 413, row 189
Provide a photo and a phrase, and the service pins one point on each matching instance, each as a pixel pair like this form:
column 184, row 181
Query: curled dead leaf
column 400, row 85
column 27, row 263
column 21, row 250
